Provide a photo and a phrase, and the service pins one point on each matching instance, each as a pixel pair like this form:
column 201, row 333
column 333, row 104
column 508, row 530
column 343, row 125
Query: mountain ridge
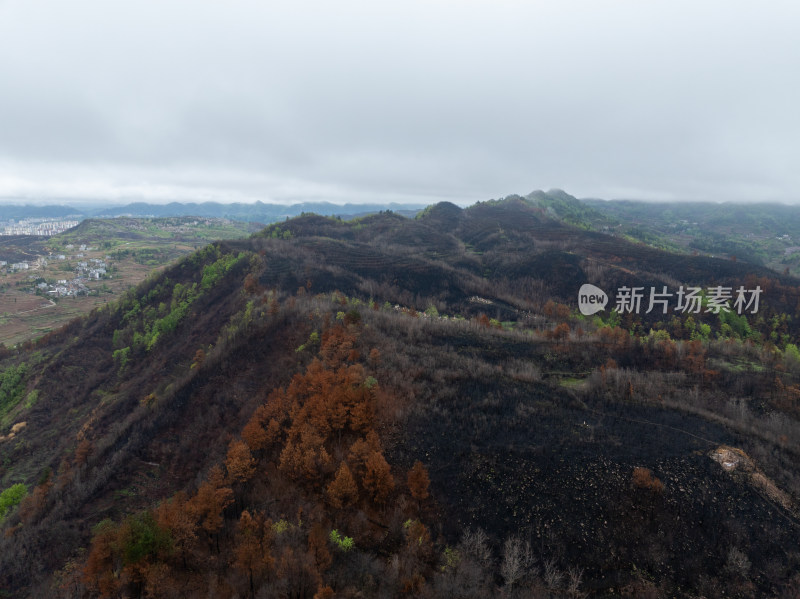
column 588, row 441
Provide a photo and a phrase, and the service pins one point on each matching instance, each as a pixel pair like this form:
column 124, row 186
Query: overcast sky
column 419, row 100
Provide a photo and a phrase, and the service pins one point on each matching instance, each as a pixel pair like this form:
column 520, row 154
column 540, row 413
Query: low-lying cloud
column 416, row 101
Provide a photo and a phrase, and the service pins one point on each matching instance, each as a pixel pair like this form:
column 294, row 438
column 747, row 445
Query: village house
column 69, row 289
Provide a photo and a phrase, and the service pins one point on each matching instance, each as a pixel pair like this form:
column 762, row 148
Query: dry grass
column 642, row 478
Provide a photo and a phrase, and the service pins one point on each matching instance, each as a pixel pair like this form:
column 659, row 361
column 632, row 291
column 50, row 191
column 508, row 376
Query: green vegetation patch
column 11, row 497
column 143, row 538
column 571, row 382
column 214, row 272
column 12, row 387
column 31, row 399
column 340, row 541
column 147, row 319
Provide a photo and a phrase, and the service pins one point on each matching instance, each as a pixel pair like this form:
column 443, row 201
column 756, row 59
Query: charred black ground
column 588, row 440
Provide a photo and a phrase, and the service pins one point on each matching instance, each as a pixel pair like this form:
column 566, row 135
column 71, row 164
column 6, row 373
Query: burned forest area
column 408, row 407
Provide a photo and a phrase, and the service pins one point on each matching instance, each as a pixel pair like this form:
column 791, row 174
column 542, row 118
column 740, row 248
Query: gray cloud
column 357, row 101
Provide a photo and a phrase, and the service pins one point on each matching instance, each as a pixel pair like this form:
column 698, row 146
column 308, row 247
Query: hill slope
column 263, row 417
column 757, row 233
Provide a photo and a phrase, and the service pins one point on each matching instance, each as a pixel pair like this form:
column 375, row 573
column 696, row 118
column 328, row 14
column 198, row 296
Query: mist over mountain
column 17, row 212
column 248, row 212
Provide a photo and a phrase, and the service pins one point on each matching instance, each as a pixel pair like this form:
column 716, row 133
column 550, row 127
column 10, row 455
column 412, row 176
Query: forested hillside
column 387, row 407
column 761, row 233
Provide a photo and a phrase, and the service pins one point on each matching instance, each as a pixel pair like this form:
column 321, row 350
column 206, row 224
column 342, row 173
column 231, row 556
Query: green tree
column 11, row 497
column 142, row 538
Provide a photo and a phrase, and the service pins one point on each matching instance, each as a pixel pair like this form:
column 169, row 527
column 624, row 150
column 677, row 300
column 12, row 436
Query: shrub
column 12, row 387
column 141, row 538
column 11, row 497
column 643, row 478
column 342, row 542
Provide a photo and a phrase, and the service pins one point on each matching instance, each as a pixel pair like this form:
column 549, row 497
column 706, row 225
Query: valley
column 47, row 281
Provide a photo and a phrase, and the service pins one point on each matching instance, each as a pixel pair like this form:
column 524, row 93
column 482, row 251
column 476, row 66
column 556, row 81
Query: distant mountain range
column 255, row 212
column 758, row 233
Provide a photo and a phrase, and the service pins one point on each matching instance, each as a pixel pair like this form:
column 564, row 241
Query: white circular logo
column 591, row 299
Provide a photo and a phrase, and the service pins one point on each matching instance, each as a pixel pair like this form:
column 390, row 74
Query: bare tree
column 574, row 581
column 737, row 562
column 476, row 543
column 467, row 571
column 553, row 577
column 518, row 561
